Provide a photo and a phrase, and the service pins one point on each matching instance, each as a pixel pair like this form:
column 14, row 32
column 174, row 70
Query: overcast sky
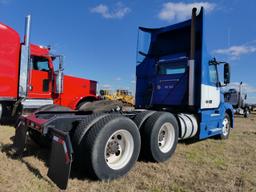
column 98, row 38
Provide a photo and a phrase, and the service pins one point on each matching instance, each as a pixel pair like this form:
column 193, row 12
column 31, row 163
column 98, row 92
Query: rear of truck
column 9, row 68
column 9, row 59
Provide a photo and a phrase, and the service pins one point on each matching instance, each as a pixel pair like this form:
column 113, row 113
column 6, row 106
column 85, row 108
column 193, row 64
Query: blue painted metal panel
column 167, row 43
column 171, row 89
column 170, row 46
column 210, row 121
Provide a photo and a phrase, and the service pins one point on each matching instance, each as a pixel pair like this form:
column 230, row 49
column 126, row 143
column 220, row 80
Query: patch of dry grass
column 208, row 165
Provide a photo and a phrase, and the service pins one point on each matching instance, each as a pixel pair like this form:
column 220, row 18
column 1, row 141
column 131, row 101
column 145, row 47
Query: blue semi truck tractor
column 178, row 96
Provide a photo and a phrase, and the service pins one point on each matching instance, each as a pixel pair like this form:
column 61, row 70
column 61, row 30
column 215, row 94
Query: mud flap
column 60, row 158
column 20, row 138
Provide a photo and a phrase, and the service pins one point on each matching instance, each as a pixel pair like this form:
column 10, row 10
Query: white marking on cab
column 210, row 96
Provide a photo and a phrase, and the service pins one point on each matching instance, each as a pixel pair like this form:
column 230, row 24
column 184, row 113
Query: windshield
column 144, row 39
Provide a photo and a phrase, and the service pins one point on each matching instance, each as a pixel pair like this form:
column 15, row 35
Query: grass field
column 208, row 165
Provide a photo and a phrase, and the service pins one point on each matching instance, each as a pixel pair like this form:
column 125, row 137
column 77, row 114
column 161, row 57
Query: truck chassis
column 105, row 145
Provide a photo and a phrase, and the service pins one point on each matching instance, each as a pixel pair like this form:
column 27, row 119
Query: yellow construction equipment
column 125, row 96
column 121, row 95
column 106, row 94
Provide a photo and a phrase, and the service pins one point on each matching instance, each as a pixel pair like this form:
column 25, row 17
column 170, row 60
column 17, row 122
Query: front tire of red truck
column 109, row 149
column 1, row 111
column 159, row 137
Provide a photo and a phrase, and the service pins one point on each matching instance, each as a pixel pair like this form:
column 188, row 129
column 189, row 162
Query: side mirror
column 226, row 73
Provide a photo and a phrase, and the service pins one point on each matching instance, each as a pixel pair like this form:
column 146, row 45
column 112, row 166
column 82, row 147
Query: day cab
column 30, row 77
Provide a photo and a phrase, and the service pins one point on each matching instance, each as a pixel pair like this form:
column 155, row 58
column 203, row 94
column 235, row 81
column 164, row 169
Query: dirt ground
column 208, row 165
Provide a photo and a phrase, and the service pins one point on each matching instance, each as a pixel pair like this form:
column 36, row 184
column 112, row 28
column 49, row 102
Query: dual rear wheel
column 107, row 146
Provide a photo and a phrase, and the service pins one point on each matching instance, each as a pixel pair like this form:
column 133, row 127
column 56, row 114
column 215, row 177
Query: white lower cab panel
column 210, row 96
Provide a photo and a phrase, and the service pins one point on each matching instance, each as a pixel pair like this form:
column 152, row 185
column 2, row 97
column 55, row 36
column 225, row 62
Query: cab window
column 213, row 74
column 171, row 68
column 40, row 63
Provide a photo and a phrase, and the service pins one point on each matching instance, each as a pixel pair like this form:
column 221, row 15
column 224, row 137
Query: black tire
column 90, row 154
column 83, row 126
column 226, row 132
column 246, row 113
column 150, row 149
column 1, row 112
column 102, row 106
column 83, row 105
column 53, row 107
column 6, row 117
column 38, row 138
column 141, row 117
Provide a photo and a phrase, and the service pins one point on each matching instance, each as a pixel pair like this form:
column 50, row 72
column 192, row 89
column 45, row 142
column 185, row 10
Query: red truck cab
column 28, row 79
column 42, row 82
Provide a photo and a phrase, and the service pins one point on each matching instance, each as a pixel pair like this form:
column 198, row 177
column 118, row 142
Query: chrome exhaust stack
column 191, row 61
column 27, row 30
column 25, row 60
column 60, row 77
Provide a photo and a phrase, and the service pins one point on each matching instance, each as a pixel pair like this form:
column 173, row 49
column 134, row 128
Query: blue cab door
column 211, row 105
column 170, row 84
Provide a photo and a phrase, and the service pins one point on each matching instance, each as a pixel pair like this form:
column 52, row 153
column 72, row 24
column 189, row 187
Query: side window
column 40, row 63
column 171, row 68
column 213, row 74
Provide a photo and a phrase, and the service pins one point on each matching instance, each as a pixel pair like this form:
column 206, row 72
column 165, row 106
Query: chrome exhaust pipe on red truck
column 27, row 30
column 25, row 60
column 60, row 77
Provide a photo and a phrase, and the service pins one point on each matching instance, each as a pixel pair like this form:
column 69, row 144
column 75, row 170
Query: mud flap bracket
column 60, row 158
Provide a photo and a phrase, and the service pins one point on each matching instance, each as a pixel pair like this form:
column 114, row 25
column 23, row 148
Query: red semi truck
column 28, row 79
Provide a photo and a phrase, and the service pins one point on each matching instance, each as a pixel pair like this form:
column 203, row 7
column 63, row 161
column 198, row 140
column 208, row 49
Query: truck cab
column 238, row 100
column 42, row 71
column 175, row 73
column 29, row 78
